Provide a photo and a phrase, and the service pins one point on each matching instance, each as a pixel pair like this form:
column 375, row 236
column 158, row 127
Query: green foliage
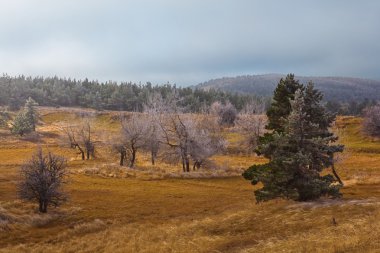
column 26, row 120
column 21, row 125
column 280, row 107
column 31, row 113
column 299, row 149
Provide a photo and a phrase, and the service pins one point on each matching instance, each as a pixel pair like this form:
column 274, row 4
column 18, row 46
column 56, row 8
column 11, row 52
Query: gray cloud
column 187, row 42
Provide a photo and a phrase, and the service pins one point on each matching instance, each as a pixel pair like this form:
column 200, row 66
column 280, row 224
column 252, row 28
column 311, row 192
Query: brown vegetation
column 118, row 209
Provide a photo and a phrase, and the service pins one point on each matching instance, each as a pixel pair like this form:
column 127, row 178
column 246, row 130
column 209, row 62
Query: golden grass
column 113, row 209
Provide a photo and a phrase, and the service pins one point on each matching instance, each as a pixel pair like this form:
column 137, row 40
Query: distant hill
column 334, row 88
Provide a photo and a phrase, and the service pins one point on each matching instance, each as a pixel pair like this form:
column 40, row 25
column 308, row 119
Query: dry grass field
column 159, row 209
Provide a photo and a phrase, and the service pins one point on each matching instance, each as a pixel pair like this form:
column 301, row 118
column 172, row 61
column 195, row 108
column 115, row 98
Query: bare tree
column 152, row 140
column 371, row 122
column 120, row 148
column 227, row 113
column 42, row 180
column 85, row 134
column 154, row 107
column 133, row 136
column 251, row 124
column 184, row 138
column 176, row 137
column 80, row 137
column 188, row 141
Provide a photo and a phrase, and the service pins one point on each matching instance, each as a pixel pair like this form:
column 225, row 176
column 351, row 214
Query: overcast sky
column 187, row 42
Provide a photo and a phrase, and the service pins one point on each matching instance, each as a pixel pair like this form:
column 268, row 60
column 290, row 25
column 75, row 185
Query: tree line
column 124, row 96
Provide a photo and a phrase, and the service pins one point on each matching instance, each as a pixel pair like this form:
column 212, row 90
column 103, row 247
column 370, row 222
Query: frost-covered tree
column 251, row 124
column 133, row 137
column 371, row 122
column 227, row 113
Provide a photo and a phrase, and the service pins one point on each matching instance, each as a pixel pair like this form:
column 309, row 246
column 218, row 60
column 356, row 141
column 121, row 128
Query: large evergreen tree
column 298, row 151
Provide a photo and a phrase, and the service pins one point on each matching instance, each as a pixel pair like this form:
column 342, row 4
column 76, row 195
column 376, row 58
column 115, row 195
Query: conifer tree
column 31, row 113
column 298, row 153
column 280, row 107
column 21, row 125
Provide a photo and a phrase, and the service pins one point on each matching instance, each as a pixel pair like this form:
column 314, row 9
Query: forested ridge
column 342, row 95
column 334, row 88
column 128, row 96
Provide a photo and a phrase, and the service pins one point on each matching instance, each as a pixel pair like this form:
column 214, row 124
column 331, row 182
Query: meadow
column 161, row 209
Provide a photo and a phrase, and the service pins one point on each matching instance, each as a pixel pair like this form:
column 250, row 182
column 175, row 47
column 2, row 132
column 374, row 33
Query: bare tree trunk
column 183, row 164
column 153, row 156
column 42, row 206
column 88, row 154
column 44, row 209
column 122, row 156
column 133, row 158
column 187, row 164
column 336, row 174
column 196, row 165
column 80, row 150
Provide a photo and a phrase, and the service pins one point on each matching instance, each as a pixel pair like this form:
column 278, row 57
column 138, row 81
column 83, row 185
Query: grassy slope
column 189, row 215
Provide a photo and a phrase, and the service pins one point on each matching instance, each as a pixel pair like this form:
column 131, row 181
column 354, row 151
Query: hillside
column 334, row 88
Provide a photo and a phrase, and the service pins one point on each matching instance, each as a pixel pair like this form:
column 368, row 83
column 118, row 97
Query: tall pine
column 298, row 151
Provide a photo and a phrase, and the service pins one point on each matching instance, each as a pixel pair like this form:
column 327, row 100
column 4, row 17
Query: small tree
column 31, row 113
column 21, row 124
column 371, row 122
column 26, row 120
column 42, row 178
column 134, row 133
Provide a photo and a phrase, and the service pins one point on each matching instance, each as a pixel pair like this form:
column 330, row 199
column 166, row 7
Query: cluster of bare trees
column 80, row 137
column 164, row 129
